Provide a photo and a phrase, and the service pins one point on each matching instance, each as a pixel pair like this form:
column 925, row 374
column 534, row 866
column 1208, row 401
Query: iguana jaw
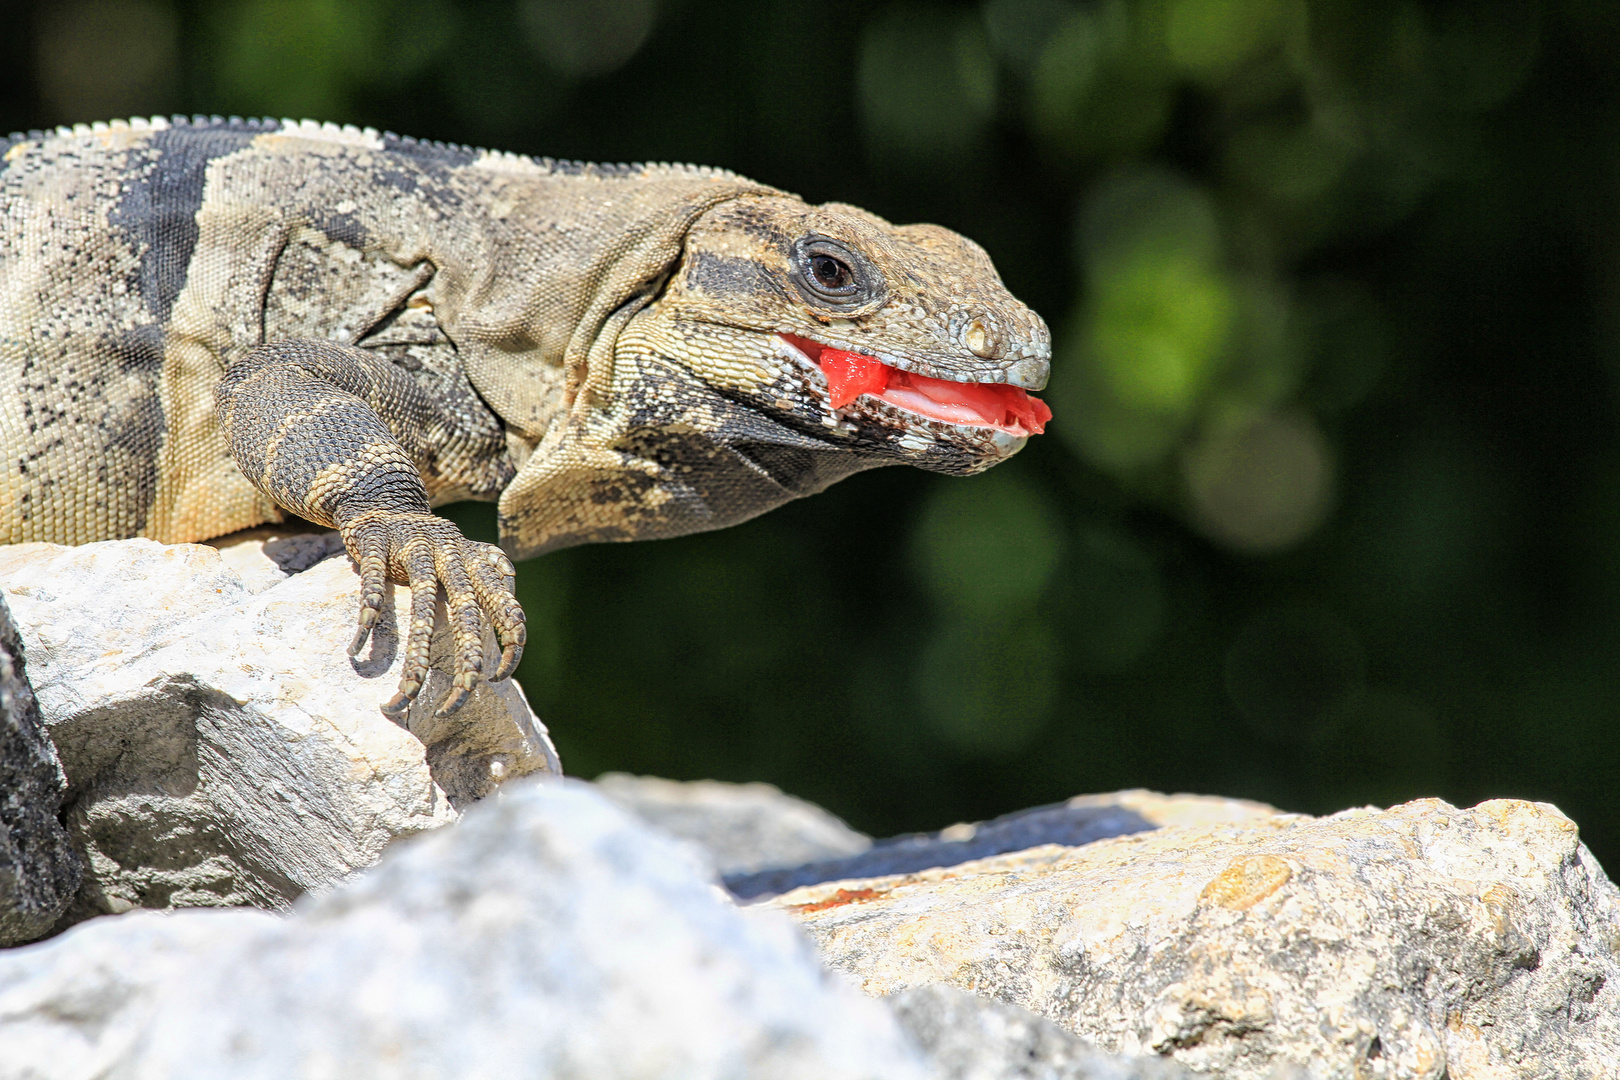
column 961, row 403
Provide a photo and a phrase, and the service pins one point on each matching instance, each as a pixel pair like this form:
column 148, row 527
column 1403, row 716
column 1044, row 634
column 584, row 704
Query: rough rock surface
column 219, row 744
column 72, row 1007
column 972, row 1038
column 1423, row 941
column 39, row 870
column 1080, row 820
column 547, row 934
column 743, row 827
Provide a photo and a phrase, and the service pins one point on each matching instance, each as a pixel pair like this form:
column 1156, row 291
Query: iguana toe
column 429, row 553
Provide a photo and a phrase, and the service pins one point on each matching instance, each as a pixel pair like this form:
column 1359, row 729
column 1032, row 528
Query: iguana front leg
column 333, row 433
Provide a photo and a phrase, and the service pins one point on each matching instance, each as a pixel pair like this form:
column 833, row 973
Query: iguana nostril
column 979, row 339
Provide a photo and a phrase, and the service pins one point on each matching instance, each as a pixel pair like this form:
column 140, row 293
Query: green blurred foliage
column 312, row 57
column 987, row 548
column 926, row 84
column 1330, row 509
column 986, row 677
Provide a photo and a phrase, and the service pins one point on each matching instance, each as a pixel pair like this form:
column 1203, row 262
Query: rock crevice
column 39, row 868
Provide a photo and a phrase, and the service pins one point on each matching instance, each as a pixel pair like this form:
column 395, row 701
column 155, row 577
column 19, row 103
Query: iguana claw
column 428, row 553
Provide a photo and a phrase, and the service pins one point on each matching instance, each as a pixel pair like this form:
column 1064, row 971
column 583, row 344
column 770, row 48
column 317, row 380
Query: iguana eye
column 830, row 274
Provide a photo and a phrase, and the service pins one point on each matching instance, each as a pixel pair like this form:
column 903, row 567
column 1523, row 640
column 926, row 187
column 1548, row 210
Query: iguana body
column 205, row 324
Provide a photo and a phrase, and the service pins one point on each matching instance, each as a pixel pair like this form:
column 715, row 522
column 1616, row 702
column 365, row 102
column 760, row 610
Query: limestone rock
column 219, row 744
column 266, row 556
column 39, row 870
column 1164, row 811
column 546, row 934
column 1080, row 820
column 73, row 1007
column 972, row 1038
column 743, row 827
column 1424, row 941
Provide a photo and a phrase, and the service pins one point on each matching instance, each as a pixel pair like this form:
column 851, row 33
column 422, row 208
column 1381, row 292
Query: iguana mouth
column 968, row 404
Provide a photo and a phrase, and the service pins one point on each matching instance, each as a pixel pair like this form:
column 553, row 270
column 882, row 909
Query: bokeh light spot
column 1121, row 441
column 1208, row 38
column 1159, row 325
column 1139, row 210
column 1261, row 487
column 1064, row 72
column 1156, row 323
column 294, row 58
column 581, row 38
column 987, row 545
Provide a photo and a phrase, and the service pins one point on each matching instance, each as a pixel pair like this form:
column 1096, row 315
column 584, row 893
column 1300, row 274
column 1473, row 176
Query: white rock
column 743, row 827
column 1083, row 819
column 1179, row 810
column 220, row 746
column 75, row 1006
column 548, row 934
column 967, row 1037
column 1413, row 943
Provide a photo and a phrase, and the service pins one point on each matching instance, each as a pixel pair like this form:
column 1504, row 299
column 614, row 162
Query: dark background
column 1330, row 510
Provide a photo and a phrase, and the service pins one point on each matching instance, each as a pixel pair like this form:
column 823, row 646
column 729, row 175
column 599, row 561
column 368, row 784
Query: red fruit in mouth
column 994, row 405
column 849, row 375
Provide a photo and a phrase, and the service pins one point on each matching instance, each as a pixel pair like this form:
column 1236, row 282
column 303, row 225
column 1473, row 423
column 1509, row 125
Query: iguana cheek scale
column 995, row 405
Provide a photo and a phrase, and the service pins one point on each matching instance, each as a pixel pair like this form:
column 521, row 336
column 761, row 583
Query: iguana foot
column 425, row 552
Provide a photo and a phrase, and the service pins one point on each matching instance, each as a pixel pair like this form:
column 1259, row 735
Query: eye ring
column 830, row 274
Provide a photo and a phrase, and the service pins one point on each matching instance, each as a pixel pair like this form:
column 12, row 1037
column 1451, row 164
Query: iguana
column 208, row 324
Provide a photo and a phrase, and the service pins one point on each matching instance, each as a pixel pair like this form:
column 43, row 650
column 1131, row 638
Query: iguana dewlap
column 207, row 324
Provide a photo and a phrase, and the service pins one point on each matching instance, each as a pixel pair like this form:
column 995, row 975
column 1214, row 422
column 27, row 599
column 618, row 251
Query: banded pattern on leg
column 333, row 434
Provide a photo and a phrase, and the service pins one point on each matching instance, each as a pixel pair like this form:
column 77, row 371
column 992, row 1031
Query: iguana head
column 772, row 296
column 758, row 351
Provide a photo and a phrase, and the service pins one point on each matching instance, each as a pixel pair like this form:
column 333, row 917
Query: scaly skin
column 204, row 325
column 334, row 434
